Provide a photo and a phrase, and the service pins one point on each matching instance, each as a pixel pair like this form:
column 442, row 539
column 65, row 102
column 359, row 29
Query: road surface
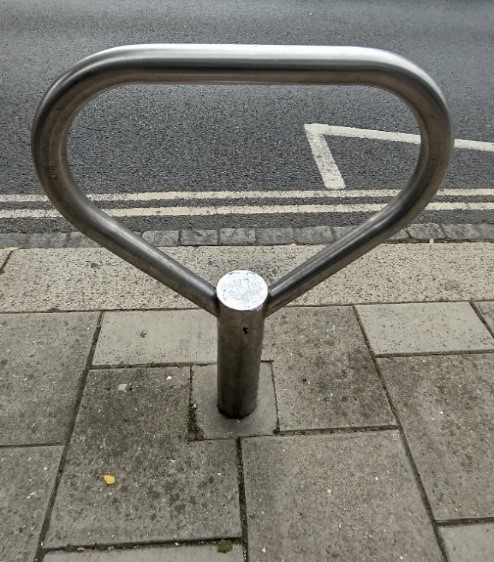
column 241, row 155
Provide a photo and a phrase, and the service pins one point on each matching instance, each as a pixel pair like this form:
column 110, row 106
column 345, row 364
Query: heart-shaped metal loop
column 239, row 64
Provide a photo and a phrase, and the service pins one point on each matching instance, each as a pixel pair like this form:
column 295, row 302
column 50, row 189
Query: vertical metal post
column 242, row 297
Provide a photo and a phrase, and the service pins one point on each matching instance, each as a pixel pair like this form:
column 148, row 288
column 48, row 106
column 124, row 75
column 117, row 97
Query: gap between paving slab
column 95, row 279
column 189, row 553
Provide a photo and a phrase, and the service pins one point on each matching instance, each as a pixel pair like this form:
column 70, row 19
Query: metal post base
column 242, row 299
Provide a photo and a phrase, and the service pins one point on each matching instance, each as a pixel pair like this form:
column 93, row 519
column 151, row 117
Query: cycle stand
column 242, row 300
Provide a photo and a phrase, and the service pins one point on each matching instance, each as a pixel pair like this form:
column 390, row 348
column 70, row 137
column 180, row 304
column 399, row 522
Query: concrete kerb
column 312, row 235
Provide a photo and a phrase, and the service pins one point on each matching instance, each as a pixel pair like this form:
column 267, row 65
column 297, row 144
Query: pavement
column 372, row 439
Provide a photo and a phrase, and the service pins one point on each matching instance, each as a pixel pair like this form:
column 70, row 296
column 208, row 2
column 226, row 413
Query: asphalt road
column 241, row 138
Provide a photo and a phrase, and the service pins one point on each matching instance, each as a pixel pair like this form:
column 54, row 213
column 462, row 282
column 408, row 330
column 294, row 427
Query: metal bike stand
column 241, row 300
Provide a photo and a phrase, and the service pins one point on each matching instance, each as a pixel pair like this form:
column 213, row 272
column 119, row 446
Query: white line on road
column 321, row 129
column 198, row 196
column 214, row 210
column 328, row 168
column 330, row 173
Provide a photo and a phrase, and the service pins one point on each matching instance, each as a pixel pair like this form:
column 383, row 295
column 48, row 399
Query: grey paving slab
column 27, row 476
column 342, row 497
column 467, row 543
column 469, row 231
column 486, row 309
column 446, row 407
column 313, row 235
column 47, row 240
column 42, row 359
column 189, row 553
column 13, row 240
column 133, row 424
column 80, row 240
column 237, row 236
column 340, row 231
column 85, row 278
column 323, row 372
column 212, row 425
column 199, row 237
column 143, row 337
column 424, row 328
column 400, row 236
column 425, row 231
column 162, row 238
column 275, row 236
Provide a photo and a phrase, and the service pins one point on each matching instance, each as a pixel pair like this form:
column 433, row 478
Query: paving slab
column 199, row 237
column 80, row 240
column 340, row 231
column 342, row 497
column 13, row 240
column 446, row 407
column 143, row 337
column 162, row 238
column 133, row 424
column 486, row 309
column 42, row 359
column 467, row 543
column 424, row 328
column 237, row 236
column 95, row 279
column 213, row 425
column 323, row 372
column 189, row 553
column 469, row 231
column 27, row 477
column 425, row 231
column 313, row 235
column 275, row 236
column 47, row 240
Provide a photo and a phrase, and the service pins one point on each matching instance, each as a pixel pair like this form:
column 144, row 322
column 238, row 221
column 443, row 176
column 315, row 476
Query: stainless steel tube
column 239, row 352
column 242, row 301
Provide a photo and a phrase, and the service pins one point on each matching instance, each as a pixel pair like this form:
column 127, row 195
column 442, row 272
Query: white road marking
column 213, row 210
column 330, row 173
column 321, row 129
column 198, row 196
column 176, row 195
column 328, row 168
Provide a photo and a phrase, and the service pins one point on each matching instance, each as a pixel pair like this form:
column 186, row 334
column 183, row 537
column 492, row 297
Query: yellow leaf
column 109, row 479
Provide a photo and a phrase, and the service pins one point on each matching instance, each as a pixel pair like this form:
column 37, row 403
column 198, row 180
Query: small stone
column 109, row 479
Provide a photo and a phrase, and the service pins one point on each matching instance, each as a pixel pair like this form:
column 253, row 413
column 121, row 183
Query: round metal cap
column 242, row 290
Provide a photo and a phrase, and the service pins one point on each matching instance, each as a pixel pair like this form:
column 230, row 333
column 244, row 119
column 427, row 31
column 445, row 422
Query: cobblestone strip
column 256, row 237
